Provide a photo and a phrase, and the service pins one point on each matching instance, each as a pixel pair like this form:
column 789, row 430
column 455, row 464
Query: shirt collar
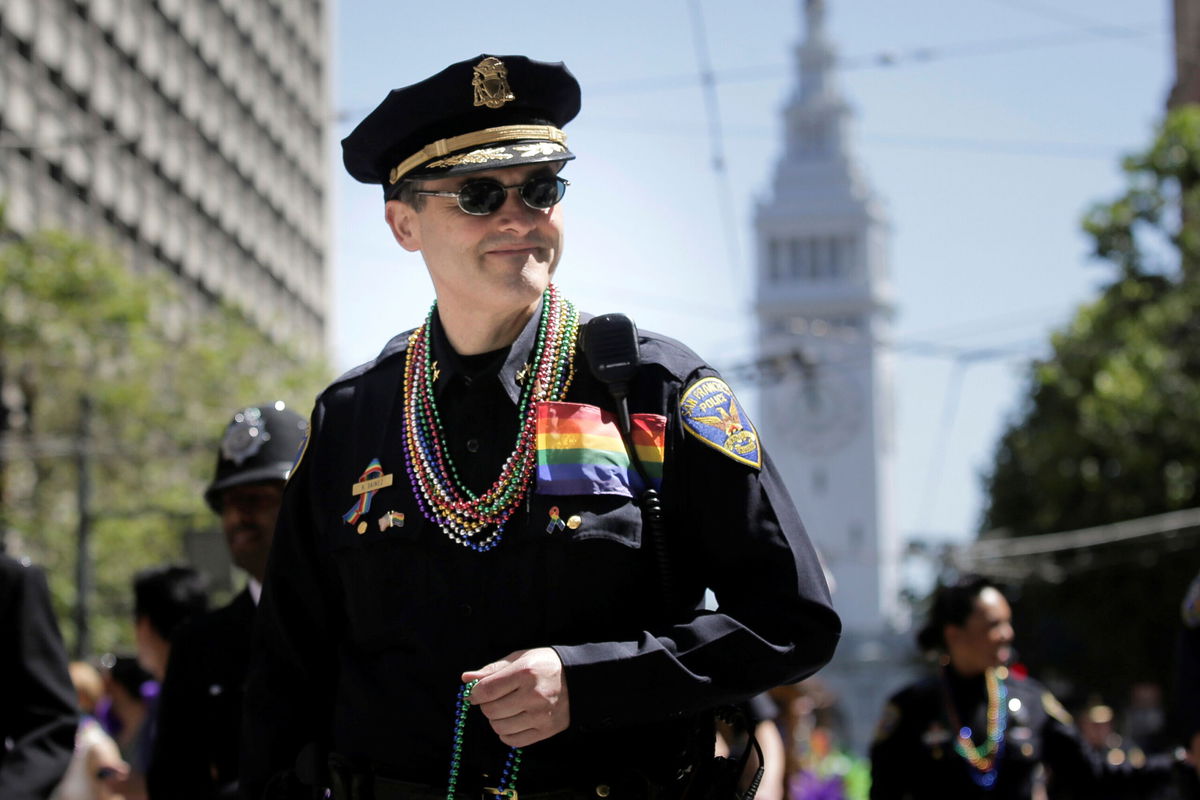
column 511, row 374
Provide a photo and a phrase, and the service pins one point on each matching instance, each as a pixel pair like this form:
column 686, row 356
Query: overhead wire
column 716, row 138
column 883, row 59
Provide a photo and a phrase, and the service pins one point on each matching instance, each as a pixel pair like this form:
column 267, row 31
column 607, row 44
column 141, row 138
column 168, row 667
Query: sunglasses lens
column 481, row 196
column 543, row 192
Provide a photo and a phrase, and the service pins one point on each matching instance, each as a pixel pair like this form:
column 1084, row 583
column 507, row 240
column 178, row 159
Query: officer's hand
column 523, row 695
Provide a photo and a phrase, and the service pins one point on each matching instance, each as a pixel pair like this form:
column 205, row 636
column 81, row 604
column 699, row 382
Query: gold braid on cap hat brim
column 505, row 133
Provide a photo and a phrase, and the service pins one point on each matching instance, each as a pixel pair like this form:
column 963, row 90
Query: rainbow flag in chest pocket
column 580, row 451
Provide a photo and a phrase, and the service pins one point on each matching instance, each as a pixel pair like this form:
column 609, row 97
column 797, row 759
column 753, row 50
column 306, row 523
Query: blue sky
column 987, row 126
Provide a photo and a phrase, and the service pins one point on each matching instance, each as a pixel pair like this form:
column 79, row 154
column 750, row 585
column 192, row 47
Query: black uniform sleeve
column 736, row 531
column 39, row 713
column 1189, row 682
column 891, row 758
column 179, row 769
column 288, row 703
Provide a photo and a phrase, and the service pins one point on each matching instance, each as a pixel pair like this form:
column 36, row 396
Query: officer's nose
column 515, row 215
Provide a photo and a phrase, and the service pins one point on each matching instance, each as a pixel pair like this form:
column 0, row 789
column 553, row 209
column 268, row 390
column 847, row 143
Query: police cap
column 479, row 114
column 260, row 444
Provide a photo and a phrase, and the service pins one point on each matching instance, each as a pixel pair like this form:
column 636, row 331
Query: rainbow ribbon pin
column 370, row 482
column 556, row 523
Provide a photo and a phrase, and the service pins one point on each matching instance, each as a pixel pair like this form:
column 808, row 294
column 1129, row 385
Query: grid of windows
column 812, row 258
column 188, row 135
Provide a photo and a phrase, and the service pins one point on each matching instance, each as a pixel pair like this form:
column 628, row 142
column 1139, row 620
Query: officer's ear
column 952, row 635
column 405, row 224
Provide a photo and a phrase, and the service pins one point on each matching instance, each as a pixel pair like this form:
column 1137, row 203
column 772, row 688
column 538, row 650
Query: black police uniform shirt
column 200, row 705
column 362, row 636
column 913, row 755
column 38, row 712
column 1188, row 664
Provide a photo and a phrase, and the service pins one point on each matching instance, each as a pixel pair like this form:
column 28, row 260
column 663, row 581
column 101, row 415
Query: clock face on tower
column 819, row 412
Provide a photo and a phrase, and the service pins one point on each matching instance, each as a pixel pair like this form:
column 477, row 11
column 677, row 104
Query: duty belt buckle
column 492, row 793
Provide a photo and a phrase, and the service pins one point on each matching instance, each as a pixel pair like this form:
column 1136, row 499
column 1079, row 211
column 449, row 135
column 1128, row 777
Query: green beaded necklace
column 512, row 764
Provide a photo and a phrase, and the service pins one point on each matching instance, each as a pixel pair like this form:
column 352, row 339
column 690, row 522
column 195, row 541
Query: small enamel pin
column 556, row 523
column 392, row 519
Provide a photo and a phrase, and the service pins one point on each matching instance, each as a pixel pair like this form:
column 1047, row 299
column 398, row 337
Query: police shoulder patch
column 301, row 449
column 887, row 722
column 1055, row 709
column 711, row 413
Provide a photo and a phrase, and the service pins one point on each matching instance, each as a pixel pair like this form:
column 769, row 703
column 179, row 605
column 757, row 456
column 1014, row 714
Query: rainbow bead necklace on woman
column 983, row 760
column 477, row 521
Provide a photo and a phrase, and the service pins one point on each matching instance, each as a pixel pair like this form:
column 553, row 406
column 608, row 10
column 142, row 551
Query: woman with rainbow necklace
column 977, row 729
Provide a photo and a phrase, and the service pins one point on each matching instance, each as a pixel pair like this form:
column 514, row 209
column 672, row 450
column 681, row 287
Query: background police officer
column 196, row 753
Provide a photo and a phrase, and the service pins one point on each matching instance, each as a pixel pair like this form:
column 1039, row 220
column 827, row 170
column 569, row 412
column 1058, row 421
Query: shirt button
column 472, row 445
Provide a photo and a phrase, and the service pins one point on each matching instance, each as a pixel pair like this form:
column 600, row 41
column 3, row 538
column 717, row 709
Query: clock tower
column 824, row 305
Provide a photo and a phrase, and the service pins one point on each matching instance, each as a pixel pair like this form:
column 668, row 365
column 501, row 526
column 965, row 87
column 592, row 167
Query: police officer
column 977, row 729
column 1188, row 664
column 38, row 713
column 463, row 595
column 200, row 707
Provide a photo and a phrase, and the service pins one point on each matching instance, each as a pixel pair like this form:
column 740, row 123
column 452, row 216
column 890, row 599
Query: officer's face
column 248, row 515
column 495, row 265
column 984, row 640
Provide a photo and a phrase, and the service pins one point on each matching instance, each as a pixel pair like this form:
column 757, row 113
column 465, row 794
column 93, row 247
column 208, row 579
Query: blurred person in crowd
column 165, row 597
column 1096, row 726
column 975, row 729
column 200, row 708
column 1188, row 660
column 1145, row 728
column 97, row 771
column 818, row 768
column 124, row 713
column 37, row 713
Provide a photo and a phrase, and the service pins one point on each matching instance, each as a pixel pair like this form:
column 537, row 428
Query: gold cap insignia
column 490, row 81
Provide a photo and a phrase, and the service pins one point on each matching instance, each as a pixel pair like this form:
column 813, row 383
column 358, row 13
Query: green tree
column 158, row 380
column 1110, row 431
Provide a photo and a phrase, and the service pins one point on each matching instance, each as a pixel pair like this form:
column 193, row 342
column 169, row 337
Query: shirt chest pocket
column 382, row 558
column 602, row 579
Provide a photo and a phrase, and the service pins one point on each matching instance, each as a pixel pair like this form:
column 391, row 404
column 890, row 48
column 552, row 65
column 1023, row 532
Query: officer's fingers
column 484, row 671
column 504, row 707
column 489, row 686
column 499, row 684
column 527, row 728
column 520, row 731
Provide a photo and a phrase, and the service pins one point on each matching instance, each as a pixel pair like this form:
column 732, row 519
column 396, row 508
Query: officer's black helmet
column 260, row 444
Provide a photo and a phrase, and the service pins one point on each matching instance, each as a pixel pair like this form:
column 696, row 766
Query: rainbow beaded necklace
column 983, row 760
column 477, row 521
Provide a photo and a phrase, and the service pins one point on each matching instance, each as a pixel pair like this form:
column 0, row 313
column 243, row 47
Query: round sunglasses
column 482, row 196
